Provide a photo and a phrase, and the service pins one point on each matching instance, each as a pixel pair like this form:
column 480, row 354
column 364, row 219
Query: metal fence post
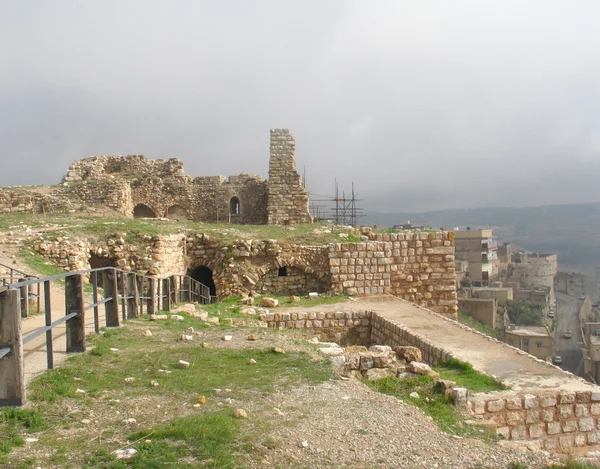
column 75, row 327
column 24, row 299
column 141, row 285
column 12, row 382
column 132, row 296
column 95, row 300
column 48, row 317
column 111, row 308
column 166, row 303
column 152, row 295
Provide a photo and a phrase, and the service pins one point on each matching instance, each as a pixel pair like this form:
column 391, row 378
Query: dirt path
column 513, row 367
column 34, row 352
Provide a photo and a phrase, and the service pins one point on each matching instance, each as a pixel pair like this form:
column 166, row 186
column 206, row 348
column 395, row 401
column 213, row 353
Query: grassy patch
column 38, row 264
column 465, row 376
column 15, row 422
column 104, row 370
column 205, row 441
column 470, row 321
column 133, row 229
column 92, row 386
column 433, row 404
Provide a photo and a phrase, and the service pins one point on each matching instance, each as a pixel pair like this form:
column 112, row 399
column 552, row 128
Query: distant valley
column 571, row 231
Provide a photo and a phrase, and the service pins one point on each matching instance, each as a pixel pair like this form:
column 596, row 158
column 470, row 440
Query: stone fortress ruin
column 416, row 266
column 138, row 187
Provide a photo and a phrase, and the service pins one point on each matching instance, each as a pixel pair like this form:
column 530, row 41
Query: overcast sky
column 423, row 104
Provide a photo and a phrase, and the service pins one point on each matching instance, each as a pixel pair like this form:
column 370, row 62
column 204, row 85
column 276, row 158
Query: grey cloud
column 429, row 105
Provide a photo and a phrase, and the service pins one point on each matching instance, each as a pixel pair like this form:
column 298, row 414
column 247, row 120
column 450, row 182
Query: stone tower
column 287, row 198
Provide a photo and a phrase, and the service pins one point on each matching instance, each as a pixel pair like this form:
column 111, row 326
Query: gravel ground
column 347, row 425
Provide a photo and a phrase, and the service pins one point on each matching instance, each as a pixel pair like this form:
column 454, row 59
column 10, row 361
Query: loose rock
column 267, row 302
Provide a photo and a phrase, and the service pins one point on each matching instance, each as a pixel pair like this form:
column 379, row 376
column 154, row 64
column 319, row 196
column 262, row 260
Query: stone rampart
column 417, row 267
column 135, row 186
column 345, row 328
column 550, row 420
column 544, row 419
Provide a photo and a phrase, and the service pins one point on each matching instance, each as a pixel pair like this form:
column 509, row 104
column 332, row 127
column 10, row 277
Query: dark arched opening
column 143, row 211
column 204, row 275
column 234, row 206
column 282, row 271
column 177, row 212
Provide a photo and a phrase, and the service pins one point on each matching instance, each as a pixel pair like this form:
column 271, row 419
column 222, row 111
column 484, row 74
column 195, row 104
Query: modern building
column 534, row 340
column 480, row 250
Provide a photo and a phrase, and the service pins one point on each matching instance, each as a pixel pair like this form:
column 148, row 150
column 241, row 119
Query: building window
column 539, row 345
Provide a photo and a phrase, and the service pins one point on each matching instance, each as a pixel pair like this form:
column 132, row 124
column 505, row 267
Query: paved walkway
column 512, row 367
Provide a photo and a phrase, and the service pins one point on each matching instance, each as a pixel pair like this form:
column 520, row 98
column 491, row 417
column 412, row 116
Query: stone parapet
column 417, row 267
column 550, row 420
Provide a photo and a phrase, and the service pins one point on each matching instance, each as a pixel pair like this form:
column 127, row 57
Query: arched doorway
column 204, row 275
column 143, row 211
column 177, row 212
column 234, row 206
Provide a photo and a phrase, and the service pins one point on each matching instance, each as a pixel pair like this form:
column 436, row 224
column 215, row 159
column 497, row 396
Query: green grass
column 473, row 323
column 433, row 404
column 230, row 307
column 205, row 441
column 133, row 229
column 39, row 264
column 13, row 423
column 465, row 376
column 210, row 369
column 180, row 436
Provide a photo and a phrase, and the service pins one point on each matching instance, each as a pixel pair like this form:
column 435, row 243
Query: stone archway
column 234, row 206
column 143, row 211
column 204, row 275
column 177, row 212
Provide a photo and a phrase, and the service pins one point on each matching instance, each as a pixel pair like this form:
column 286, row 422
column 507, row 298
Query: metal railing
column 133, row 292
column 9, row 275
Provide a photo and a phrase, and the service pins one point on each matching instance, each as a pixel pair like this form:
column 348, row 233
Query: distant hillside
column 572, row 231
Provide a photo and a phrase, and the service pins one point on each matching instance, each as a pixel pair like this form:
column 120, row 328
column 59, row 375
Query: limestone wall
column 246, row 266
column 287, row 198
column 548, row 419
column 417, row 267
column 33, row 200
column 344, row 328
column 161, row 188
column 534, row 271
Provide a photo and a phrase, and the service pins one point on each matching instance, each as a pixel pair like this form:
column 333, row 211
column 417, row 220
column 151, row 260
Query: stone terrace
column 513, row 367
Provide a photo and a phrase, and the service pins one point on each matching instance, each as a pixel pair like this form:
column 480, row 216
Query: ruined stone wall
column 287, row 198
column 417, row 267
column 247, row 266
column 130, row 166
column 112, row 193
column 550, row 420
column 152, row 255
column 534, row 270
column 208, row 199
column 295, row 281
column 344, row 328
column 19, row 200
